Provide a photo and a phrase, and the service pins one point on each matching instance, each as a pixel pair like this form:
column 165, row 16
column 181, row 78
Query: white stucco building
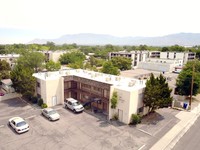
column 135, row 56
column 83, row 85
column 184, row 56
column 53, row 55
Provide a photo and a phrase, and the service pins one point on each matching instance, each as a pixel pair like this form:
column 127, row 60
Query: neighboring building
column 184, row 56
column 136, row 56
column 7, row 85
column 53, row 55
column 87, row 86
column 162, row 65
column 10, row 58
column 154, row 54
column 156, row 60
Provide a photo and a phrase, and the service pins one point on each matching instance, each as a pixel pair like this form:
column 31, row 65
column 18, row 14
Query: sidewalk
column 187, row 119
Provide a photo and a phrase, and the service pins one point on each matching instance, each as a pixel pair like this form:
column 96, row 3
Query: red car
column 1, row 94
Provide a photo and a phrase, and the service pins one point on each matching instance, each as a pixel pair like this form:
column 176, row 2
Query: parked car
column 1, row 94
column 18, row 124
column 51, row 114
column 74, row 105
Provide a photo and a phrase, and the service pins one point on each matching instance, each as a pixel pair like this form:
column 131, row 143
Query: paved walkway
column 169, row 140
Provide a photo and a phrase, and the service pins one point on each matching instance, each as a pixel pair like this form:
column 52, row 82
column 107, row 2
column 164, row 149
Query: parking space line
column 30, row 117
column 142, row 147
column 1, row 126
column 145, row 132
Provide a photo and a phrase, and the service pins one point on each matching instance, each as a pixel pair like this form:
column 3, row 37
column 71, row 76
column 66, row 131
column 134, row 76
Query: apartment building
column 184, row 56
column 135, row 56
column 53, row 55
column 88, row 86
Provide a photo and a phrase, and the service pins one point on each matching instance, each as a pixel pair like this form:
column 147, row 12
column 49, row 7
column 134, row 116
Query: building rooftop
column 9, row 55
column 116, row 81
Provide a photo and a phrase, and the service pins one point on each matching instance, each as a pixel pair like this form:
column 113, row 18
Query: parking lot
column 81, row 131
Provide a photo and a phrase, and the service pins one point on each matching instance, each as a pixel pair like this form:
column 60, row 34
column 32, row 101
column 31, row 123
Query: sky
column 24, row 20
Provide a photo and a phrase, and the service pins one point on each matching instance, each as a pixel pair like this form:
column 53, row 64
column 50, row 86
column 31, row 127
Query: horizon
column 24, row 21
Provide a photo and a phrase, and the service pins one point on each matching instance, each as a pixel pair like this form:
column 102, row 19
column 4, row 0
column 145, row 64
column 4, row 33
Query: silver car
column 18, row 124
column 51, row 114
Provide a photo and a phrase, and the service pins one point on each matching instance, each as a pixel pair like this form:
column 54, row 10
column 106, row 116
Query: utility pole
column 191, row 90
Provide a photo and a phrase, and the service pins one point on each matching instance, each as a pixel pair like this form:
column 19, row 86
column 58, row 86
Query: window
column 38, row 84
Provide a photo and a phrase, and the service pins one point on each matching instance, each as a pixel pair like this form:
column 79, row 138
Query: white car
column 51, row 114
column 73, row 104
column 18, row 124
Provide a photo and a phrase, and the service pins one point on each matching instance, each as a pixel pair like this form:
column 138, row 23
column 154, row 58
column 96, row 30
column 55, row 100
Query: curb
column 182, row 132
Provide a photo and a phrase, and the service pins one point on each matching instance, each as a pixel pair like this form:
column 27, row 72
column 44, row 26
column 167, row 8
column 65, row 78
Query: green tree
column 53, row 66
column 4, row 70
column 183, row 82
column 74, row 57
column 109, row 68
column 23, row 81
column 157, row 93
column 122, row 63
column 114, row 100
column 51, row 45
column 32, row 60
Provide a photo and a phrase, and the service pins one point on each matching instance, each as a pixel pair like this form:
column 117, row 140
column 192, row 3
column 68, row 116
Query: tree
column 183, row 82
column 33, row 60
column 114, row 100
column 23, row 81
column 51, row 45
column 157, row 93
column 122, row 63
column 53, row 66
column 4, row 70
column 72, row 57
column 109, row 68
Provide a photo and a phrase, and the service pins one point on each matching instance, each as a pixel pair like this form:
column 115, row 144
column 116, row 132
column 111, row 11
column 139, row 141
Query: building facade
column 135, row 56
column 88, row 86
column 184, row 56
column 53, row 55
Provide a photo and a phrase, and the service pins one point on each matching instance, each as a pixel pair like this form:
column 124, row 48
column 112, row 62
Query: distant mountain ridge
column 184, row 39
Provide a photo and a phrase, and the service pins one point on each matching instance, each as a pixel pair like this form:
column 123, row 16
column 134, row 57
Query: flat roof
column 119, row 82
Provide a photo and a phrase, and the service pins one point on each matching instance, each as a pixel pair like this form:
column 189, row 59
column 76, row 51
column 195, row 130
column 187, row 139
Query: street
column 191, row 138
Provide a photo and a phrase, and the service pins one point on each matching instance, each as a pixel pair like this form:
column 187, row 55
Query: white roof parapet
column 116, row 81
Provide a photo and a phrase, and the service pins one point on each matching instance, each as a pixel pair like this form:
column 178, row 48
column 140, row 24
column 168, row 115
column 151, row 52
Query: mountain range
column 184, row 39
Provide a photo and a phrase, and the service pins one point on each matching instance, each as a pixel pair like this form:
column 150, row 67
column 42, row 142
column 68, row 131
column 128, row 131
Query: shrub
column 40, row 101
column 115, row 117
column 34, row 100
column 44, row 105
column 28, row 95
column 135, row 119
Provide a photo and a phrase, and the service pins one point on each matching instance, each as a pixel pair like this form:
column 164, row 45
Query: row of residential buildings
column 156, row 60
column 150, row 60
